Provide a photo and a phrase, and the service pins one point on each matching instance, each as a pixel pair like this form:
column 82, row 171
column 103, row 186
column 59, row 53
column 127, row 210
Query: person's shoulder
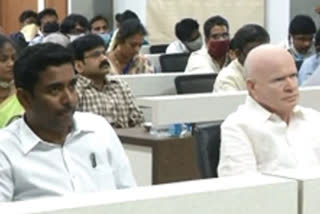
column 176, row 47
column 9, row 135
column 199, row 53
column 310, row 113
column 238, row 117
column 229, row 73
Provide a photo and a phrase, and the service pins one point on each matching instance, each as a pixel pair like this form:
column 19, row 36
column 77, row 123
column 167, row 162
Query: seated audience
column 310, row 64
column 111, row 99
column 48, row 22
column 58, row 38
column 125, row 57
column 74, row 26
column 270, row 131
column 233, row 77
column 188, row 37
column 99, row 25
column 300, row 40
column 54, row 150
column 121, row 18
column 212, row 57
column 9, row 104
column 26, row 18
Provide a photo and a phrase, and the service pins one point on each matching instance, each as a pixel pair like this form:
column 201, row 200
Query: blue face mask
column 106, row 37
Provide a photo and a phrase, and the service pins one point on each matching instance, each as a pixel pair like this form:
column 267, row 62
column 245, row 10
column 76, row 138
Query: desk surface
column 139, row 136
column 173, row 158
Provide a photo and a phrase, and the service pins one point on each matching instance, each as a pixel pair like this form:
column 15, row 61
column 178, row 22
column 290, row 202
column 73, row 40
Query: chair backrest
column 195, row 83
column 207, row 144
column 158, row 48
column 174, row 62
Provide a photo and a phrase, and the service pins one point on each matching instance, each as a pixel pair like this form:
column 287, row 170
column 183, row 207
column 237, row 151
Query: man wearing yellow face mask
column 212, row 57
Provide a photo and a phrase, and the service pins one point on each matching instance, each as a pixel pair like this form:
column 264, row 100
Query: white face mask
column 106, row 37
column 195, row 44
column 73, row 37
column 298, row 56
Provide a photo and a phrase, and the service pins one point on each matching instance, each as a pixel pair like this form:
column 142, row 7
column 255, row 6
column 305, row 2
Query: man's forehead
column 52, row 73
column 100, row 22
column 218, row 29
column 7, row 50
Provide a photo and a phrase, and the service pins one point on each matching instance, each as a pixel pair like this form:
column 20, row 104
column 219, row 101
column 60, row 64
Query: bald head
column 266, row 58
column 272, row 80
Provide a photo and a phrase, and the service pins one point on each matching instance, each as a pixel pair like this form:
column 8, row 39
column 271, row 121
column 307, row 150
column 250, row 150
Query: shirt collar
column 88, row 83
column 263, row 114
column 31, row 139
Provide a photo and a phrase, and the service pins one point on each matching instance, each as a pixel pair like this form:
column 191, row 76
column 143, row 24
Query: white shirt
column 176, row 47
column 91, row 159
column 255, row 140
column 231, row 78
column 200, row 61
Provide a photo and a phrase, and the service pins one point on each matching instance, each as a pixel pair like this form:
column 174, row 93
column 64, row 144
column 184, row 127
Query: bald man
column 270, row 131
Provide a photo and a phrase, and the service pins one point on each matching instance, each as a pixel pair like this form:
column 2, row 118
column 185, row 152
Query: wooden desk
column 173, row 159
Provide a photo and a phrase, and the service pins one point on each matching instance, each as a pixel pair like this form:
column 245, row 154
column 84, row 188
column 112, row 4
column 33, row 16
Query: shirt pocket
column 103, row 177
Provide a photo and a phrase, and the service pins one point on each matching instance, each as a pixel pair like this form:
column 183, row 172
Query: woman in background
column 9, row 104
column 125, row 57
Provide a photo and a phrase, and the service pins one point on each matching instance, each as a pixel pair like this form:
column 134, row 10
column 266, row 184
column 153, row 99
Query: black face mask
column 51, row 27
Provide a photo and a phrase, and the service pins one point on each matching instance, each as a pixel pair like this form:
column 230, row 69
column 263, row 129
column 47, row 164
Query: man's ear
column 79, row 66
column 25, row 98
column 251, row 87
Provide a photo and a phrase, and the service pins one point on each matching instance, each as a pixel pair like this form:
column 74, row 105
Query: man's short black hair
column 129, row 28
column 250, row 33
column 84, row 44
column 36, row 59
column 213, row 21
column 27, row 14
column 185, row 28
column 46, row 12
column 98, row 18
column 302, row 24
column 70, row 22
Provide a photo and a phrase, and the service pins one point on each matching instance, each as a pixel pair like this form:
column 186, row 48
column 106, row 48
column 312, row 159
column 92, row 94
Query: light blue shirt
column 92, row 159
column 308, row 67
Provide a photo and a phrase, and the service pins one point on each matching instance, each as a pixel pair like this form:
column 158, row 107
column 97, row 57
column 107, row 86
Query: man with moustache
column 98, row 94
column 54, row 150
column 270, row 131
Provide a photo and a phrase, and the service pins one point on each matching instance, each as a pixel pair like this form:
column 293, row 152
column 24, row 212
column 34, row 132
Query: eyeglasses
column 96, row 54
column 220, row 36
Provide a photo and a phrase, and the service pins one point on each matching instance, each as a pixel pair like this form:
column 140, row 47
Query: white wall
column 138, row 6
column 277, row 15
column 277, row 19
